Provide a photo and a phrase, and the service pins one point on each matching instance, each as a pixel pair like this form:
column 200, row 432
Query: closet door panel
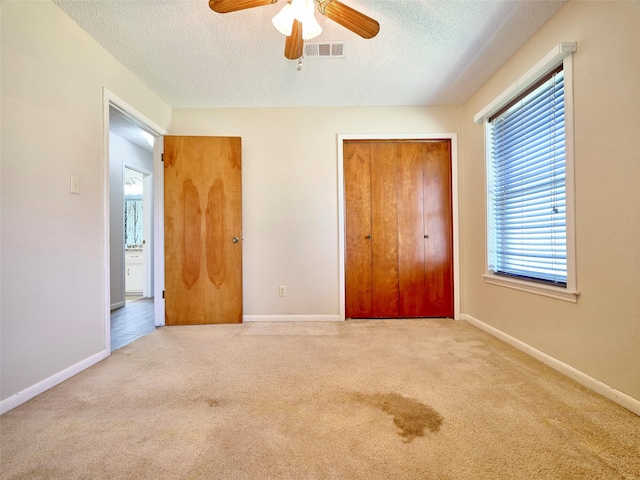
column 384, row 233
column 439, row 227
column 357, row 198
column 411, row 241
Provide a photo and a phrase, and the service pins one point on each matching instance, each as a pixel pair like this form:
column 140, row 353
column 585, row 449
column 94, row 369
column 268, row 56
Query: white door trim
column 453, row 137
column 109, row 98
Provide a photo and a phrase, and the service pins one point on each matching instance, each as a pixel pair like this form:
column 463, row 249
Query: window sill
column 539, row 289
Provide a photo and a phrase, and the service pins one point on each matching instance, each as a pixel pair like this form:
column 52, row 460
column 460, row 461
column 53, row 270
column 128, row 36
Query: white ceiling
column 428, row 52
column 129, row 129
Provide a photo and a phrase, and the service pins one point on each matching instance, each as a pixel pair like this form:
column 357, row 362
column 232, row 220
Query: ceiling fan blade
column 349, row 18
column 294, row 43
column 226, row 6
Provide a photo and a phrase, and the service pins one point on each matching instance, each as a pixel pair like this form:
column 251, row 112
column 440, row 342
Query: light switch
column 75, row 184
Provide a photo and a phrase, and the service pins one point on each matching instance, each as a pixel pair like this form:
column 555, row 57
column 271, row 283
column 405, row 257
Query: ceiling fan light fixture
column 283, row 21
column 301, row 10
column 310, row 27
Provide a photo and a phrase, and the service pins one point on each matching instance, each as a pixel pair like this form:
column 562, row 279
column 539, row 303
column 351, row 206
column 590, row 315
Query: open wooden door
column 203, row 230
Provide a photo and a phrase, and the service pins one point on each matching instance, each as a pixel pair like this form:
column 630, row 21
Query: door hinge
column 162, row 293
column 162, row 157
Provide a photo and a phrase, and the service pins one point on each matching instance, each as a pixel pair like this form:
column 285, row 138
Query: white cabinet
column 134, row 272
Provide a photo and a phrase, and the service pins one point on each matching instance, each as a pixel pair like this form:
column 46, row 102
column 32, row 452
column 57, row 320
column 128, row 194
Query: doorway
column 133, row 146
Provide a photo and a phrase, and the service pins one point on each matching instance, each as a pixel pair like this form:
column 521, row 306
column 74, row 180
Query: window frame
column 560, row 55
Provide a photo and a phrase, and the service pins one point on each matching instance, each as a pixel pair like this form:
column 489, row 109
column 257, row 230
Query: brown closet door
column 411, row 232
column 439, row 228
column 399, row 250
column 384, row 231
column 357, row 197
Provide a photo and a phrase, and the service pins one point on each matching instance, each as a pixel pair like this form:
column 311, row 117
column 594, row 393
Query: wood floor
column 131, row 322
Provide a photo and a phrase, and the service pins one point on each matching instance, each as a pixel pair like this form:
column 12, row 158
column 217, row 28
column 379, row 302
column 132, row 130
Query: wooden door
column 438, row 221
column 384, row 231
column 357, row 197
column 203, row 230
column 399, row 250
column 411, row 231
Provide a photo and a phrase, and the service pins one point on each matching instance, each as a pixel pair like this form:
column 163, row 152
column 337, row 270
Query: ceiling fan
column 297, row 22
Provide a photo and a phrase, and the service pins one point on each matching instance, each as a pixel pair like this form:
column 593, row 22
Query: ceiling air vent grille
column 325, row 49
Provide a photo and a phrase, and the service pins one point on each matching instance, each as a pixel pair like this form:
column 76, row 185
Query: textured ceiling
column 122, row 125
column 427, row 52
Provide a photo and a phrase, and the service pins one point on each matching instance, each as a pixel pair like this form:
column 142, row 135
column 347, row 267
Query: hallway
column 131, row 322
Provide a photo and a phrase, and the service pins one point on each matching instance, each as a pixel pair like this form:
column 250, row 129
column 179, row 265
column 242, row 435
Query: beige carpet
column 415, row 399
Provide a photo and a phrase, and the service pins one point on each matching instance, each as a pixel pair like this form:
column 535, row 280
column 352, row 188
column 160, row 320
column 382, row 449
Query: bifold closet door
column 398, row 229
column 438, row 220
column 384, row 231
column 411, row 230
column 357, row 194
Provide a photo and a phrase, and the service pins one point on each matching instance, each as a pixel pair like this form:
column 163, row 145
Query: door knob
column 368, row 237
column 235, row 239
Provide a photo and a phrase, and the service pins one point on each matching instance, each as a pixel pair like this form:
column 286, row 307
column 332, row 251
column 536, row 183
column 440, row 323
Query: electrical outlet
column 282, row 291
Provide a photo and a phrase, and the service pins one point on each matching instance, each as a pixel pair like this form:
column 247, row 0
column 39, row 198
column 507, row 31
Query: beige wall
column 600, row 335
column 53, row 259
column 290, row 192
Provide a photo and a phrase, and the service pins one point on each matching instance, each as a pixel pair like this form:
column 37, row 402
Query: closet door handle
column 368, row 237
column 426, row 236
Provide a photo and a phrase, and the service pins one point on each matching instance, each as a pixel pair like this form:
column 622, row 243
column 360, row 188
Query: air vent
column 325, row 49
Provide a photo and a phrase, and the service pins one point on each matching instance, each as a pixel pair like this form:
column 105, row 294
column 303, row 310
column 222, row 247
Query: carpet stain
column 410, row 416
column 212, row 402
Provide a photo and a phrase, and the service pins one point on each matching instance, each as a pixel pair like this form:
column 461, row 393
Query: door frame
column 110, row 99
column 453, row 137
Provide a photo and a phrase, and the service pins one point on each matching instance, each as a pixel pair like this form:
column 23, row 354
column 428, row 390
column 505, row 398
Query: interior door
column 399, row 230
column 203, row 230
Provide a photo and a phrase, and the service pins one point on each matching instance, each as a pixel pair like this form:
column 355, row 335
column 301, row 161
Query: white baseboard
column 19, row 398
column 291, row 318
column 582, row 378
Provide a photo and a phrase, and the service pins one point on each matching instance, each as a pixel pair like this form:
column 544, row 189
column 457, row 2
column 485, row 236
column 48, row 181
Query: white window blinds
column 527, row 200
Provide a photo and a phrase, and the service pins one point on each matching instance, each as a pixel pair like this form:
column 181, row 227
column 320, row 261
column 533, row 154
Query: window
column 529, row 185
column 527, row 206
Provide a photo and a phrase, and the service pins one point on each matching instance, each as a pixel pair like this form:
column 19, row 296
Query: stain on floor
column 410, row 416
column 212, row 402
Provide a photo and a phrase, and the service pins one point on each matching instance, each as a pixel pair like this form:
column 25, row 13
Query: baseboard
column 21, row 397
column 291, row 318
column 582, row 378
column 117, row 305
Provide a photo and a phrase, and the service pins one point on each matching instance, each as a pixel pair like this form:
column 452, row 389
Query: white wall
column 123, row 153
column 290, row 192
column 600, row 335
column 53, row 243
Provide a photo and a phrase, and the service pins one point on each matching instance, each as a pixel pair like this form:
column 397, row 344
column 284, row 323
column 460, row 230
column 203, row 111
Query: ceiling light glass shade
column 301, row 10
column 310, row 27
column 283, row 21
